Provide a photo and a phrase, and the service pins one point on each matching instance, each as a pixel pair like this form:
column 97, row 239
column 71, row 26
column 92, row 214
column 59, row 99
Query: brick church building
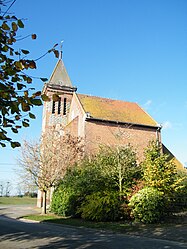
column 97, row 120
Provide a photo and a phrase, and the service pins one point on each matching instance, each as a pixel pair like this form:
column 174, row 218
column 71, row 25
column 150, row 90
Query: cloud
column 147, row 104
column 166, row 125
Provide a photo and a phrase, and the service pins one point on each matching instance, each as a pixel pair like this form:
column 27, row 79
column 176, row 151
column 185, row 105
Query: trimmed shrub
column 147, row 205
column 101, row 206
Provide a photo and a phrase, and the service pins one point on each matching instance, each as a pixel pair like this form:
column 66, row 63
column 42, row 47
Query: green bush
column 147, row 205
column 101, row 206
column 63, row 201
column 179, row 196
column 105, row 177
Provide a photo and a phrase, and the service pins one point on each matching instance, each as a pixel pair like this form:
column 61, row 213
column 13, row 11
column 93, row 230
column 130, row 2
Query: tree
column 119, row 164
column 158, row 171
column 7, row 189
column 17, row 96
column 45, row 163
column 161, row 187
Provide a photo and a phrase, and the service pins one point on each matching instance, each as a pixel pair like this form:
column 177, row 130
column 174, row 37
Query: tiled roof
column 60, row 75
column 115, row 110
column 178, row 164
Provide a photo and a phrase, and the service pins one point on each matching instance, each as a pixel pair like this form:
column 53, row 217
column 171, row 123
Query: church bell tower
column 59, row 90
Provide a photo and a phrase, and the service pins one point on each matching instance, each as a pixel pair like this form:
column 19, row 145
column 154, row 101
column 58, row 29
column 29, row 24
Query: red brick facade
column 98, row 133
column 97, row 120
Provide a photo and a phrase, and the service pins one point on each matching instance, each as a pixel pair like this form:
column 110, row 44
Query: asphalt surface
column 23, row 234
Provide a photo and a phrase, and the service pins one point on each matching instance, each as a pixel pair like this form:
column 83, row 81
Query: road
column 16, row 234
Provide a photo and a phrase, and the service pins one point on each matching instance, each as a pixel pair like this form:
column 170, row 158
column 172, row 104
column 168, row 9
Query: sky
column 132, row 50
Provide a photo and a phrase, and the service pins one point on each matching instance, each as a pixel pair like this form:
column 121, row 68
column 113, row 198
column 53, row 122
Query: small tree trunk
column 44, row 209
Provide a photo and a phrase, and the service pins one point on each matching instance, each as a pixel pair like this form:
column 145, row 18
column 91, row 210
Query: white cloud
column 166, row 125
column 147, row 104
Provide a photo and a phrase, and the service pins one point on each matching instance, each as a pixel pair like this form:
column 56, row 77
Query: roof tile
column 115, row 110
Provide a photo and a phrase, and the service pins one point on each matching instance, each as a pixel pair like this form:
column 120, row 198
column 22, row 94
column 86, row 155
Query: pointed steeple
column 60, row 79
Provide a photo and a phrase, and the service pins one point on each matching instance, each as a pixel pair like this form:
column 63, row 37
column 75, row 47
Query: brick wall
column 54, row 119
column 98, row 133
column 77, row 111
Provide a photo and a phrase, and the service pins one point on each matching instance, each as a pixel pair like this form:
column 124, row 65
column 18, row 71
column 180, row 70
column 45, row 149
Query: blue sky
column 123, row 49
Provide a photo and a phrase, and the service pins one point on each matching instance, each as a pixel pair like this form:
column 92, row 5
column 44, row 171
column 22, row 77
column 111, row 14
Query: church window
column 53, row 107
column 64, row 110
column 59, row 106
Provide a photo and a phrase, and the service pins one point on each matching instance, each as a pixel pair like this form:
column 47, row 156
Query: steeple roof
column 60, row 77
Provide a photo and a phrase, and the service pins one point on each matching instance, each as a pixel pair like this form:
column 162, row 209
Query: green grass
column 17, row 200
column 112, row 226
column 169, row 231
column 122, row 227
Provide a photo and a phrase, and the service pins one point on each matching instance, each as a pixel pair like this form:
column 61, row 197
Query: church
column 96, row 120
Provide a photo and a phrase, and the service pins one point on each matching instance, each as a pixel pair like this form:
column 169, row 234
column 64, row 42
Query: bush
column 147, row 205
column 101, row 206
column 104, row 177
column 179, row 196
column 62, row 201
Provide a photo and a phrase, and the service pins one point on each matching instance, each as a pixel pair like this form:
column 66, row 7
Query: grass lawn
column 122, row 227
column 17, row 200
column 112, row 226
column 170, row 230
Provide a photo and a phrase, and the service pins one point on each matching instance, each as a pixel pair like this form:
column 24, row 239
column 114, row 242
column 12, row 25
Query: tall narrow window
column 64, row 110
column 53, row 107
column 59, row 106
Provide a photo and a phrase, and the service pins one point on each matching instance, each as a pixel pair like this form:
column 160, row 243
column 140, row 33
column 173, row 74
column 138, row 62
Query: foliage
column 164, row 190
column 91, row 189
column 147, row 205
column 61, row 201
column 98, row 174
column 119, row 165
column 16, row 92
column 101, row 206
column 179, row 196
column 158, row 172
column 78, row 182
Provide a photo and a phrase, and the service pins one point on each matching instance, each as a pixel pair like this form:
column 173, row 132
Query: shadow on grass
column 174, row 229
column 42, row 236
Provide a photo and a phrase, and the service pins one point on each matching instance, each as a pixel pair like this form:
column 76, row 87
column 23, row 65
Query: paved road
column 15, row 211
column 15, row 234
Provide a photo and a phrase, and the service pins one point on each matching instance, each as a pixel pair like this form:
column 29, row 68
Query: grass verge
column 169, row 231
column 122, row 227
column 17, row 200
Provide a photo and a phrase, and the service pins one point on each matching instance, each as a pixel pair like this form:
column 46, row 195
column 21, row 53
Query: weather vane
column 61, row 49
